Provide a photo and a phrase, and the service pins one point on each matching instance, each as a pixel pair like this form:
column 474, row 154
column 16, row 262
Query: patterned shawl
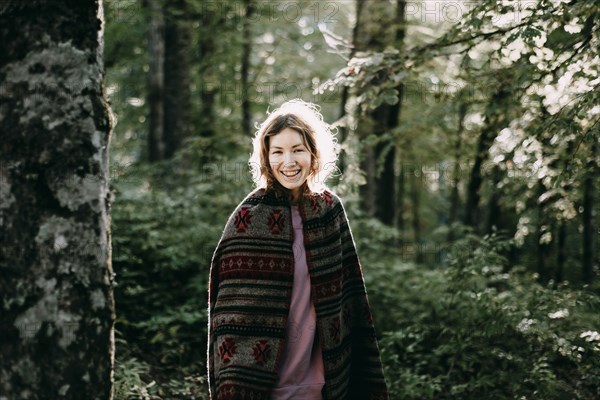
column 251, row 276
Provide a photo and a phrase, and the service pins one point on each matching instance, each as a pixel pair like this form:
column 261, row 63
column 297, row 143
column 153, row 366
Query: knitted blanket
column 251, row 276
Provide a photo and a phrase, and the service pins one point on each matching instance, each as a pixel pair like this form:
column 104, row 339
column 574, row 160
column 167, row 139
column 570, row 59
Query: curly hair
column 318, row 137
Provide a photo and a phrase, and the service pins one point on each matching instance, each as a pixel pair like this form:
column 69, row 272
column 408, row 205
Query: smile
column 290, row 174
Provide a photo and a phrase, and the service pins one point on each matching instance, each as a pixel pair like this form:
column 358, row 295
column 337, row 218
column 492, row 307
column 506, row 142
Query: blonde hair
column 318, row 136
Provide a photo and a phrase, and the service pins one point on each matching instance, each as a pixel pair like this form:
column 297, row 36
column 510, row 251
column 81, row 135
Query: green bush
column 166, row 226
column 474, row 331
column 470, row 330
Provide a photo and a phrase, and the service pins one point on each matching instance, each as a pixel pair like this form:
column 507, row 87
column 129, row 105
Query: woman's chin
column 290, row 184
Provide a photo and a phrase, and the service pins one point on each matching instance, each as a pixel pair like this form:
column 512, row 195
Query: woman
column 288, row 311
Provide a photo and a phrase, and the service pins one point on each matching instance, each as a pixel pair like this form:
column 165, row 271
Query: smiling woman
column 294, row 138
column 289, row 159
column 288, row 311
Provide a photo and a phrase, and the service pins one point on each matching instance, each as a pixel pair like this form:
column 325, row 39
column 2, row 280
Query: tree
column 177, row 70
column 388, row 118
column 246, row 52
column 382, row 26
column 495, row 114
column 588, row 217
column 455, row 181
column 343, row 129
column 156, row 80
column 55, row 260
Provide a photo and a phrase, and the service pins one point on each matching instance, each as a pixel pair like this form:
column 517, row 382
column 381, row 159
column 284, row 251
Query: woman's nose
column 288, row 158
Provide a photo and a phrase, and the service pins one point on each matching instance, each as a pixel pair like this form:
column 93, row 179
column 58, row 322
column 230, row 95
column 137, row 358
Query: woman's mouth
column 291, row 174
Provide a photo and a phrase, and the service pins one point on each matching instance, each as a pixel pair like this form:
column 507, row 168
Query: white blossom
column 559, row 314
column 590, row 336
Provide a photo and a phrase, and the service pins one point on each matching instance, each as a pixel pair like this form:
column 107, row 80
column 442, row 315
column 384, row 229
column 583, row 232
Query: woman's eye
column 299, row 150
column 276, row 152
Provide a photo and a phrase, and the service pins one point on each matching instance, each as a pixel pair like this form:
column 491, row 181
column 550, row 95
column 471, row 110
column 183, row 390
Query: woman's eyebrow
column 296, row 145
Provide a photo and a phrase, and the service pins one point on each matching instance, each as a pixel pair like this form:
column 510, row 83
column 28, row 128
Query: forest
column 468, row 136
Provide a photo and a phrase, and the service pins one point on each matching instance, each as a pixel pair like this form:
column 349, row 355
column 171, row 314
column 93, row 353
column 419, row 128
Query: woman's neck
column 295, row 197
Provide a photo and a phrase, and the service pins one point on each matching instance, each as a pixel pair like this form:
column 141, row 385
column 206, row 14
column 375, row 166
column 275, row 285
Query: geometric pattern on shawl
column 250, row 286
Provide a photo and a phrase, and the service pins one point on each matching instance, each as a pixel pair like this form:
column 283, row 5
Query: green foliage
column 530, row 69
column 166, row 225
column 135, row 382
column 473, row 331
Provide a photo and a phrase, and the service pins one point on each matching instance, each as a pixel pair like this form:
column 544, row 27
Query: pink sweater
column 301, row 373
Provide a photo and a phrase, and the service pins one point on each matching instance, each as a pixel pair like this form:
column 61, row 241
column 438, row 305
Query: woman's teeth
column 290, row 174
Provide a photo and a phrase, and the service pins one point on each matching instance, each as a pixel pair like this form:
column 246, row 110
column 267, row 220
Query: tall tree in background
column 588, row 217
column 344, row 116
column 210, row 23
column 156, row 79
column 542, row 245
column 456, row 174
column 387, row 202
column 381, row 26
column 246, row 60
column 495, row 116
column 57, row 303
column 177, row 69
column 169, row 76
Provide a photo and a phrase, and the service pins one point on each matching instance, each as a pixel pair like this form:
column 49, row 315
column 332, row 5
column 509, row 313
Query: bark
column 416, row 220
column 454, row 197
column 367, row 192
column 343, row 129
column 588, row 216
column 542, row 248
column 385, row 180
column 495, row 114
column 177, row 75
column 373, row 34
column 561, row 240
column 246, row 52
column 156, row 80
column 494, row 211
column 560, row 251
column 207, row 98
column 57, row 312
column 209, row 86
column 401, row 223
column 381, row 29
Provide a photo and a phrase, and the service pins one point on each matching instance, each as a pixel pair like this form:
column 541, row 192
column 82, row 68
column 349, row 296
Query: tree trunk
column 454, row 197
column 416, row 220
column 560, row 251
column 561, row 240
column 380, row 30
column 210, row 23
column 246, row 52
column 494, row 115
column 373, row 34
column 156, row 80
column 385, row 179
column 367, row 192
column 588, row 215
column 177, row 75
column 343, row 129
column 386, row 182
column 56, row 289
column 494, row 211
column 542, row 248
column 401, row 224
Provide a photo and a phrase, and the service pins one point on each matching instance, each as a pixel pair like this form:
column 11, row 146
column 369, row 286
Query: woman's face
column 289, row 159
